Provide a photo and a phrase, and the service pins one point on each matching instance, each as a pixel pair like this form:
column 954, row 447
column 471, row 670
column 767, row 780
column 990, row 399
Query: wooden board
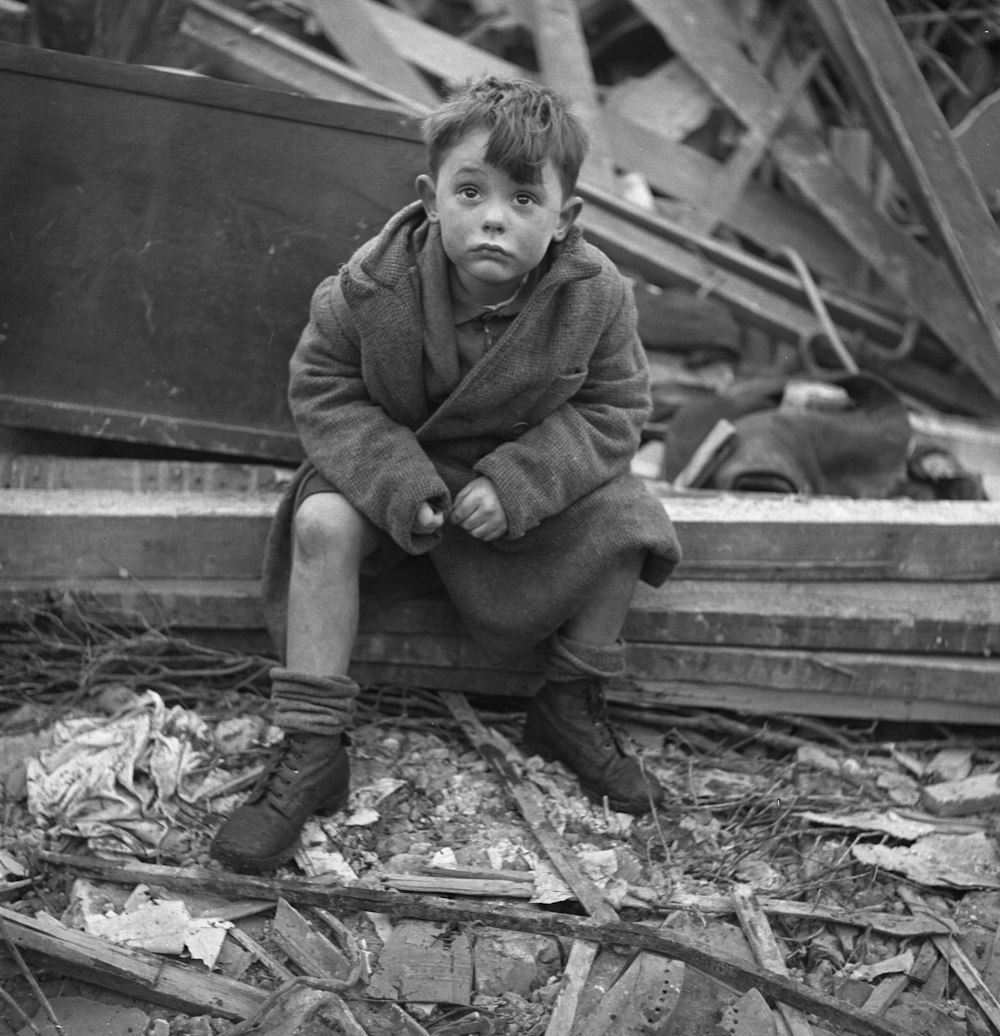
column 109, row 534
column 564, row 58
column 925, row 618
column 915, row 678
column 922, row 281
column 913, row 134
column 49, row 471
column 898, row 687
column 453, row 61
column 150, row 977
column 153, row 288
column 662, row 252
column 978, row 135
column 233, row 45
column 349, row 27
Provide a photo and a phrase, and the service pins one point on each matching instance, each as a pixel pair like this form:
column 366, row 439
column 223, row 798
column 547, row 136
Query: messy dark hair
column 528, row 125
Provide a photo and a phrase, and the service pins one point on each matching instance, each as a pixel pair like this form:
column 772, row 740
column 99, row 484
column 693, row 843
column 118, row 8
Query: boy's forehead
column 468, row 155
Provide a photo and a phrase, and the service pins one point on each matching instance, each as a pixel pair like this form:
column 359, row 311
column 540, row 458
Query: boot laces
column 282, row 767
column 609, row 735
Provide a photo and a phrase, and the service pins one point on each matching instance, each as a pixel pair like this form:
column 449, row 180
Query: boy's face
column 494, row 230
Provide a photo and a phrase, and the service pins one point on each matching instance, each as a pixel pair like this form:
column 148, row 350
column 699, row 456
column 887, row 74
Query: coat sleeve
column 589, row 439
column 373, row 460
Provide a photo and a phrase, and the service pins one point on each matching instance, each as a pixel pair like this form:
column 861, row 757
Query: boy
column 469, row 387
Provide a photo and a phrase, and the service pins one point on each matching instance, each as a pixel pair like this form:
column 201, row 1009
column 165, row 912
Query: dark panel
column 162, row 235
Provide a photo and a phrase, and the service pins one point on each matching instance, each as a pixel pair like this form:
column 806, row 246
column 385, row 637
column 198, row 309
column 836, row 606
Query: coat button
column 519, row 429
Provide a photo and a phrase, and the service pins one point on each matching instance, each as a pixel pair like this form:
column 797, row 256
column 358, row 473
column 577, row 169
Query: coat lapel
column 382, row 291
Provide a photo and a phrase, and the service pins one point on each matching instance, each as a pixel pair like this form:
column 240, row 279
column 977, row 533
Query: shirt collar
column 465, row 309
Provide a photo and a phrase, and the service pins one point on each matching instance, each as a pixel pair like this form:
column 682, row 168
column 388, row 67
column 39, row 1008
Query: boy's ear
column 427, row 193
column 567, row 216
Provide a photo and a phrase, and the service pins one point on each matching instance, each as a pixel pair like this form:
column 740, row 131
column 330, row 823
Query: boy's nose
column 493, row 217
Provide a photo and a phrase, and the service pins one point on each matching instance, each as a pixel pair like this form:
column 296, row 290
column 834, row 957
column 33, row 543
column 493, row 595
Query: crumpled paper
column 119, row 781
column 159, row 925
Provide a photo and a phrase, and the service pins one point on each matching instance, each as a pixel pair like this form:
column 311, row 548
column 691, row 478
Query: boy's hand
column 428, row 519
column 478, row 510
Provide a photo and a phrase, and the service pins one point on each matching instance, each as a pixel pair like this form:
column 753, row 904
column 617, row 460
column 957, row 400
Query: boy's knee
column 328, row 526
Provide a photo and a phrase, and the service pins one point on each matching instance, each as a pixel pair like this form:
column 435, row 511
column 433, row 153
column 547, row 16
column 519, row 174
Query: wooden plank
column 70, row 534
column 823, row 538
column 763, row 685
column 760, row 935
column 444, row 56
column 914, row 135
column 498, row 752
column 49, row 471
column 646, row 135
column 454, row 61
column 836, row 683
column 148, row 976
column 761, row 213
column 978, row 135
column 564, row 59
column 175, row 328
column 753, row 147
column 251, row 51
column 308, row 947
column 719, row 259
column 927, row 618
column 349, row 26
column 665, row 263
column 119, row 535
column 924, row 283
column 924, row 617
column 196, row 604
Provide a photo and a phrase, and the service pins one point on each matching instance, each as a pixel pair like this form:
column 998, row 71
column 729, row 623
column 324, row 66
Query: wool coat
column 551, row 414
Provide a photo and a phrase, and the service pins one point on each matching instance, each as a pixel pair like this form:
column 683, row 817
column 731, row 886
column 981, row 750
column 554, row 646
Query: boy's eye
column 468, row 192
column 524, row 198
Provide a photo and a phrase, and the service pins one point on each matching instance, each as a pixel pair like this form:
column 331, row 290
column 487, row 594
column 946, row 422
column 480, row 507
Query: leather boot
column 308, row 775
column 569, row 722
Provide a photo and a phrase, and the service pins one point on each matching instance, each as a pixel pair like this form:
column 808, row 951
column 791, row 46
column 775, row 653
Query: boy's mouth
column 492, row 250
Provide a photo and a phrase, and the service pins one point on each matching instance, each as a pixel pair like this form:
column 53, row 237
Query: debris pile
column 805, row 196
column 804, row 872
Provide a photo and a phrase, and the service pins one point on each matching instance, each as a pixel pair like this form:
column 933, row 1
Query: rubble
column 814, row 843
column 805, row 196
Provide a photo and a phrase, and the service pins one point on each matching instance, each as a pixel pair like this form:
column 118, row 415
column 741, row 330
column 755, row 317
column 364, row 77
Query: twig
column 32, row 981
column 14, row 1006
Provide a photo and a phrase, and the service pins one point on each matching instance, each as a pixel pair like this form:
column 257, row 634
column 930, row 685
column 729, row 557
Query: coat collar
column 381, row 288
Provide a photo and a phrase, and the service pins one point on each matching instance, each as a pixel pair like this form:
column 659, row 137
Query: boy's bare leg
column 567, row 719
column 312, row 695
column 331, row 540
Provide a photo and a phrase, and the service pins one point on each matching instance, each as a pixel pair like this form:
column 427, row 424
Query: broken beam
column 722, row 966
column 148, row 976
